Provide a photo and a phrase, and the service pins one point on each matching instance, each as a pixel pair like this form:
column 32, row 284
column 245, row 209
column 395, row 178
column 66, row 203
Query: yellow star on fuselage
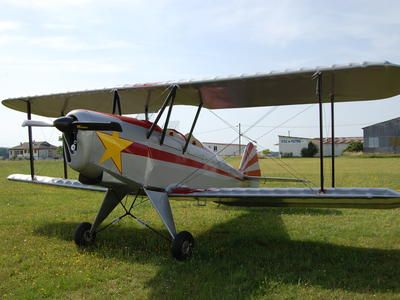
column 113, row 145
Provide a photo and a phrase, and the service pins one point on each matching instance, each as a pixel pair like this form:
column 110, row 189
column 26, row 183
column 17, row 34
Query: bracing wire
column 213, row 130
column 282, row 164
column 283, row 123
column 233, row 127
column 261, row 118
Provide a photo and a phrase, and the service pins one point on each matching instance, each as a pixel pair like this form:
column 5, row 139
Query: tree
column 265, row 152
column 310, row 151
column 355, row 146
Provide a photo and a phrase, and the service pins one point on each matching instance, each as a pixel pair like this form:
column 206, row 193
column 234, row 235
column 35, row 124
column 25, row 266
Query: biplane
column 121, row 155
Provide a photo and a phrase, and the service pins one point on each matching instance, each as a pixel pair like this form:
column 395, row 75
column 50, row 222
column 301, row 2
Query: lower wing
column 68, row 183
column 265, row 197
column 295, row 197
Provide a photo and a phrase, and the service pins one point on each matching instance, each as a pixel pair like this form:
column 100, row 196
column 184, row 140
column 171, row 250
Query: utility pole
column 240, row 141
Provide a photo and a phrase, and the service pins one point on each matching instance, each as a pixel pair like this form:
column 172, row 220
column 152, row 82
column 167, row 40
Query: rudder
column 249, row 165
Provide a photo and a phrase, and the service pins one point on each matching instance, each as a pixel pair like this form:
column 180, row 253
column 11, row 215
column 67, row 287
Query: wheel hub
column 88, row 237
column 186, row 247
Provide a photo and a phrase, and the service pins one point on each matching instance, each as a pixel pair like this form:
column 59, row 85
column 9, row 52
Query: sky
column 49, row 46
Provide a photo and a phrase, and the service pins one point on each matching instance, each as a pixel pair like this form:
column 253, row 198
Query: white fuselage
column 131, row 157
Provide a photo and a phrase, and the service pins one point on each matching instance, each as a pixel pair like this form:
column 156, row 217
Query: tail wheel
column 83, row 237
column 182, row 245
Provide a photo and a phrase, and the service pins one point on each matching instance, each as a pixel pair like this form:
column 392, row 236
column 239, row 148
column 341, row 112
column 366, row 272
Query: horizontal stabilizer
column 68, row 183
column 298, row 197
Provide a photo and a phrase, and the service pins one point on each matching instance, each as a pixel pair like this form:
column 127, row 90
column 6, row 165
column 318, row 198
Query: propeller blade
column 68, row 124
column 105, row 126
column 34, row 123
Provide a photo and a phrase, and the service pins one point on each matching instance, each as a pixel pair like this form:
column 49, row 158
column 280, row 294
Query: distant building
column 382, row 137
column 41, row 150
column 225, row 149
column 270, row 154
column 290, row 146
column 341, row 143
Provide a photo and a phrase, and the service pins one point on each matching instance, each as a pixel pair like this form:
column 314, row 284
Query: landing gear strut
column 182, row 242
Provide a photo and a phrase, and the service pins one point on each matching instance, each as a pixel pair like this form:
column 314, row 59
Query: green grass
column 241, row 253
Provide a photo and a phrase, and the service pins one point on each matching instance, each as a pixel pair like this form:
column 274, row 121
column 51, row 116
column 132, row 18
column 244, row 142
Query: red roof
column 341, row 140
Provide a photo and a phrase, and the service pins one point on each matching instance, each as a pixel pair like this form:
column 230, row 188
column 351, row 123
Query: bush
column 266, row 152
column 310, row 151
column 355, row 146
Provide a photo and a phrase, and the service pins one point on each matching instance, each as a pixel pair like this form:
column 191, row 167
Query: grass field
column 241, row 253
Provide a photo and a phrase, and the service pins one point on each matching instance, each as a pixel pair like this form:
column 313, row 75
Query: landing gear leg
column 183, row 242
column 85, row 233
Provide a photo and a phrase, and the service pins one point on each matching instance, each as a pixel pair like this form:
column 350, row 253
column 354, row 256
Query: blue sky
column 55, row 46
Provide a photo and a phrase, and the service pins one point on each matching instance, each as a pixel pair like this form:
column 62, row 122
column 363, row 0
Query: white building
column 41, row 150
column 225, row 149
column 341, row 143
column 291, row 146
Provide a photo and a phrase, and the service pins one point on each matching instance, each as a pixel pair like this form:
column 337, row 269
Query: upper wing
column 352, row 82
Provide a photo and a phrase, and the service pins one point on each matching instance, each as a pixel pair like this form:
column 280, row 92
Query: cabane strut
column 169, row 100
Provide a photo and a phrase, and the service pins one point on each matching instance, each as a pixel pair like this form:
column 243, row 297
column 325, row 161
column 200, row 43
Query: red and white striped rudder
column 249, row 165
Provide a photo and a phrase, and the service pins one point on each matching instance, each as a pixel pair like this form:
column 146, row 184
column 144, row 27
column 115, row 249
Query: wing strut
column 332, row 97
column 318, row 77
column 32, row 164
column 168, row 101
column 64, row 153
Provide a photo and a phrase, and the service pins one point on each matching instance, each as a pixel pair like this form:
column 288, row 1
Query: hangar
column 290, row 146
column 383, row 137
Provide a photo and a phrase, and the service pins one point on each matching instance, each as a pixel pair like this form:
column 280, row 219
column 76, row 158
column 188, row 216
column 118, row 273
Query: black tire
column 82, row 235
column 182, row 246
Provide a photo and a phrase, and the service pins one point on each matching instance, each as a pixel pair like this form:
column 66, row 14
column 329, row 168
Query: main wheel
column 182, row 245
column 82, row 236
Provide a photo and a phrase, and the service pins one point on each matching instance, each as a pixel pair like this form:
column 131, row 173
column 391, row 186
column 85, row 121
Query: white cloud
column 59, row 26
column 273, row 23
column 64, row 65
column 61, row 42
column 9, row 26
column 45, row 4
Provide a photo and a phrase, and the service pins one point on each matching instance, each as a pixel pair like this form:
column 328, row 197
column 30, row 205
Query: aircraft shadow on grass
column 249, row 254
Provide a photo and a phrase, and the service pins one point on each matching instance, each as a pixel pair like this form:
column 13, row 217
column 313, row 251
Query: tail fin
column 249, row 165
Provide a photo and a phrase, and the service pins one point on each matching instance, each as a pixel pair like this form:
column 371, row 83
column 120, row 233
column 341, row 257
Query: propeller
column 69, row 124
column 34, row 123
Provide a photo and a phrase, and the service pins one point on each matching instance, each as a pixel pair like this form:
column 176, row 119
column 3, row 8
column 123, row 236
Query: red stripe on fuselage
column 143, row 150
